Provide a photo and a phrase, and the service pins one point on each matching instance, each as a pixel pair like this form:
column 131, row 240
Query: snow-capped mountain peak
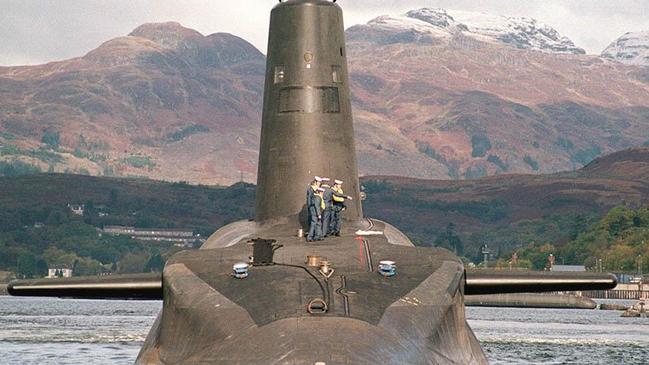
column 519, row 32
column 631, row 48
column 436, row 17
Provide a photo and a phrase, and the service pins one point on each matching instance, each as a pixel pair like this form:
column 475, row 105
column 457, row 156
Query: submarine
column 257, row 293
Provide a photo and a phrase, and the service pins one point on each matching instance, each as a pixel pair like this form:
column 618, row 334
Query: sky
column 40, row 31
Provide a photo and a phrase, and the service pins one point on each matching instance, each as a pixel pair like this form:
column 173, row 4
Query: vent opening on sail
column 297, row 99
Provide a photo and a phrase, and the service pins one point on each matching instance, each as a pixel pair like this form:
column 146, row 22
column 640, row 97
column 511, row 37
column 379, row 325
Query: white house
column 59, row 272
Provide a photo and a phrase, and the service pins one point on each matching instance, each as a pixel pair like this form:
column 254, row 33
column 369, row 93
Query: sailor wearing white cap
column 310, row 190
column 315, row 210
column 338, row 198
column 328, row 210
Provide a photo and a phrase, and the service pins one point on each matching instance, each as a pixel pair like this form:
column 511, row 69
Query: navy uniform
column 338, row 198
column 315, row 210
column 327, row 215
column 310, row 192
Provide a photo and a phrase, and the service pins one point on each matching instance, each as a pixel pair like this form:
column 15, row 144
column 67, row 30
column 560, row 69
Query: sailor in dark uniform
column 310, row 191
column 327, row 196
column 315, row 210
column 338, row 205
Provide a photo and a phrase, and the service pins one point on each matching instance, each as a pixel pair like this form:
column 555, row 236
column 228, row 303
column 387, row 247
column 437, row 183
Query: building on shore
column 59, row 272
column 180, row 237
column 77, row 208
column 568, row 268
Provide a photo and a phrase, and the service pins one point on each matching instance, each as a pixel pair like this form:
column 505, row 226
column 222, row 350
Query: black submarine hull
column 415, row 317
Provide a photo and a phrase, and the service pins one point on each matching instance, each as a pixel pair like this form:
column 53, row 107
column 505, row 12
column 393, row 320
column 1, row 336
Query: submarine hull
column 415, row 317
column 269, row 317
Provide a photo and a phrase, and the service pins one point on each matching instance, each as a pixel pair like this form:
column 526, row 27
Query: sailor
column 315, row 210
column 310, row 191
column 338, row 198
column 327, row 196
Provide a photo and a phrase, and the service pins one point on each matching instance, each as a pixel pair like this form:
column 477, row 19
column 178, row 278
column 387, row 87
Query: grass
column 140, row 162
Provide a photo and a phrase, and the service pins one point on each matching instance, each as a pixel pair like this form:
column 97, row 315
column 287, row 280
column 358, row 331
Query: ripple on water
column 58, row 332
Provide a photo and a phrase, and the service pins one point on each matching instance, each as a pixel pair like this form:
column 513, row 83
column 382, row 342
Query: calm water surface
column 53, row 331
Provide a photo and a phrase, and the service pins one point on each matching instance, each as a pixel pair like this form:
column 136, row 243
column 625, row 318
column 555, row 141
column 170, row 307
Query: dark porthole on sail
column 297, row 99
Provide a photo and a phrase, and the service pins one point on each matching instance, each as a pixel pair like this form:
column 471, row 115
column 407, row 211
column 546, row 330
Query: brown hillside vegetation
column 169, row 103
column 464, row 108
column 164, row 101
column 511, row 210
column 504, row 211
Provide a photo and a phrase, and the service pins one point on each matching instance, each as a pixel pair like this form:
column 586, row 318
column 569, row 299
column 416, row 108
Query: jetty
column 632, row 291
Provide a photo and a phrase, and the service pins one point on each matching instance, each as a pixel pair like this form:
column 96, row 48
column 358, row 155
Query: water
column 53, row 331
column 560, row 336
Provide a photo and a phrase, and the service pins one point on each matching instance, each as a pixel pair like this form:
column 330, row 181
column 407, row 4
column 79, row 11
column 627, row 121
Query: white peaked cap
column 326, row 179
column 338, row 182
column 317, row 178
column 321, row 189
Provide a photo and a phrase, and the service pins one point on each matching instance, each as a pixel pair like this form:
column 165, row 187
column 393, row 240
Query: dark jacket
column 317, row 204
column 328, row 197
column 309, row 195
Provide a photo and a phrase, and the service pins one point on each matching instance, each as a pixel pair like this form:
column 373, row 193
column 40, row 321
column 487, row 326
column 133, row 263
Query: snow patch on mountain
column 519, row 32
column 632, row 49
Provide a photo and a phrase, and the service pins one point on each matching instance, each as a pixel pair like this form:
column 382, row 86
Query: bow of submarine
column 210, row 317
column 415, row 317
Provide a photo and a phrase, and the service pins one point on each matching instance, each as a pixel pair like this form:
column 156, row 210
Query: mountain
column 452, row 95
column 510, row 211
column 444, row 100
column 632, row 49
column 164, row 102
column 426, row 24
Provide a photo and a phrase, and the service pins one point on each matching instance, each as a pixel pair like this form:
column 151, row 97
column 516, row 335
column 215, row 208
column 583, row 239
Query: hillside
column 510, row 211
column 507, row 211
column 164, row 102
column 38, row 229
column 451, row 99
column 453, row 95
column 30, row 199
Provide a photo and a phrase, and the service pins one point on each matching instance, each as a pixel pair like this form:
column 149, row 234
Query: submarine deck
column 355, row 289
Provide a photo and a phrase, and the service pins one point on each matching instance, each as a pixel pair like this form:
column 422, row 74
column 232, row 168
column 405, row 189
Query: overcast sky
column 39, row 31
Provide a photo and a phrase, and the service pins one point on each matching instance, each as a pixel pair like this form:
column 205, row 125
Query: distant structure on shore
column 568, row 268
column 59, row 272
column 77, row 208
column 181, row 237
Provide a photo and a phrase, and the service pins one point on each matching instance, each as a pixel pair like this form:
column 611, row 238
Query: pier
column 621, row 291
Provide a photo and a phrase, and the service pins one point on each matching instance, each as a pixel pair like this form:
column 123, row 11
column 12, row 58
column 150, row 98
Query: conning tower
column 307, row 126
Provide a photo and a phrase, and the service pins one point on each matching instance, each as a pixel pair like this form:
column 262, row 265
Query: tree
column 30, row 266
column 56, row 217
column 133, row 263
column 88, row 266
column 89, row 212
column 155, row 264
column 450, row 240
column 51, row 138
column 113, row 196
column 621, row 257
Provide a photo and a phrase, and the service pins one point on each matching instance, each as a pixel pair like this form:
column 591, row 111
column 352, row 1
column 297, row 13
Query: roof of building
column 568, row 268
